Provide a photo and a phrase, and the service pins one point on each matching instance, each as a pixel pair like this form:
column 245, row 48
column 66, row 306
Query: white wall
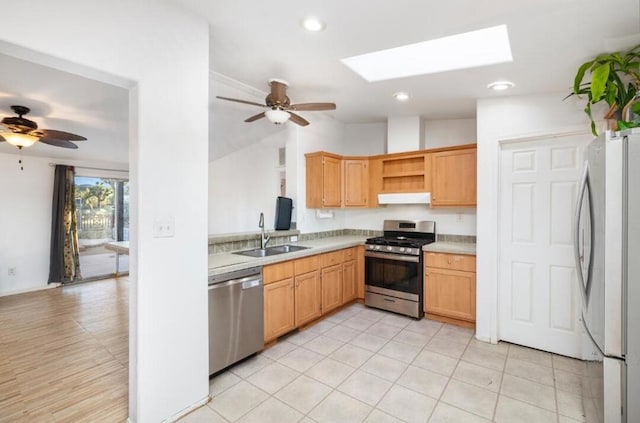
column 25, row 222
column 25, row 219
column 448, row 132
column 502, row 119
column 165, row 51
column 404, row 133
column 364, row 139
column 243, row 184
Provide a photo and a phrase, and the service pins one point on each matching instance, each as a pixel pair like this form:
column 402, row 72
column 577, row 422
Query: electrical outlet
column 294, row 238
column 163, row 227
column 11, row 271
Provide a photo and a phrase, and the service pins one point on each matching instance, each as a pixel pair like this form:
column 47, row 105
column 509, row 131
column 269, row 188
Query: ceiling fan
column 280, row 107
column 22, row 132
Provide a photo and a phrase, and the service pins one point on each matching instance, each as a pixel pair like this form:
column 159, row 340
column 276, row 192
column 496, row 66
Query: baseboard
column 187, row 410
column 182, row 413
column 24, row 291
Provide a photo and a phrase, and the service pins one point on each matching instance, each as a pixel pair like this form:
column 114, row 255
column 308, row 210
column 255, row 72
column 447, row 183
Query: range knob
column 377, row 247
column 402, row 249
column 389, row 248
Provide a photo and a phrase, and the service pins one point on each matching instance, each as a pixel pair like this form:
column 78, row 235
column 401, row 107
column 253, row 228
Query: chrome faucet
column 264, row 237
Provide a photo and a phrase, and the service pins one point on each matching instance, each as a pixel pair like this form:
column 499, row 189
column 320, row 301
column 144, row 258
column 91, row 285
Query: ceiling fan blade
column 241, row 101
column 57, row 135
column 298, row 119
column 312, row 106
column 58, row 143
column 255, row 117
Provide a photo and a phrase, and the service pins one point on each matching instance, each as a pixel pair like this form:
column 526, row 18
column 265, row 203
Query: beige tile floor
column 366, row 365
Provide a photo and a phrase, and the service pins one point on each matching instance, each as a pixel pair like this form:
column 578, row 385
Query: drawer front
column 277, row 272
column 331, row 259
column 306, row 265
column 349, row 254
column 463, row 262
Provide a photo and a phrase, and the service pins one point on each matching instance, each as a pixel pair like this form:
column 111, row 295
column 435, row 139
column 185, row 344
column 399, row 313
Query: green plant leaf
column 580, row 75
column 622, row 125
column 599, row 76
column 612, row 90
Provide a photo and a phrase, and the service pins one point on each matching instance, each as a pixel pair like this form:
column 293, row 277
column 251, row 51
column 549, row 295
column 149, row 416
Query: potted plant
column 614, row 79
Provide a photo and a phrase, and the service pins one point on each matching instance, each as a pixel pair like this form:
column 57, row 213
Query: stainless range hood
column 405, row 198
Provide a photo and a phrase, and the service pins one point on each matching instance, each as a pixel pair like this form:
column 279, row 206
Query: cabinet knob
column 426, row 275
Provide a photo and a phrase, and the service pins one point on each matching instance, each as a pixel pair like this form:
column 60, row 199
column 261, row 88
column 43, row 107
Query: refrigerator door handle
column 576, row 235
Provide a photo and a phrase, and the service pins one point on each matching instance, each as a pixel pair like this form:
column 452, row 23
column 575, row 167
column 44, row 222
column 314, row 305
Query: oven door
column 394, row 272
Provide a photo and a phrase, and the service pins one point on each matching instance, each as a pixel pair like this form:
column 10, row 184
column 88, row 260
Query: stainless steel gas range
column 394, row 266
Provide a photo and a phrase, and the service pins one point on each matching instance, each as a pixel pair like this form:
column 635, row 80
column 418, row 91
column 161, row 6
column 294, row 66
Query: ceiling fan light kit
column 19, row 140
column 279, row 107
column 277, row 116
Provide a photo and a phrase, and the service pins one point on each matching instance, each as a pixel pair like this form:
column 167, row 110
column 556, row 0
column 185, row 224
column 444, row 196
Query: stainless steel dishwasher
column 236, row 328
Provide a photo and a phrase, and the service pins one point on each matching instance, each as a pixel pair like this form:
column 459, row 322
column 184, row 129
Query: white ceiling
column 67, row 102
column 252, row 41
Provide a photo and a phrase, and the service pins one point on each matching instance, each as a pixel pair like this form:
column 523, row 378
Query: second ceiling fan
column 280, row 107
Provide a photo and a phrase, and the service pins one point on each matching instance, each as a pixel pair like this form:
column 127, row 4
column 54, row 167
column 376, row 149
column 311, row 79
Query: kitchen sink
column 271, row 251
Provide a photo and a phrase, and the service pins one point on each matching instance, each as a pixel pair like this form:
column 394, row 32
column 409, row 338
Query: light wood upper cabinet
column 308, row 297
column 323, row 180
column 278, row 309
column 406, row 172
column 454, row 178
column 356, row 183
column 450, row 288
column 331, row 278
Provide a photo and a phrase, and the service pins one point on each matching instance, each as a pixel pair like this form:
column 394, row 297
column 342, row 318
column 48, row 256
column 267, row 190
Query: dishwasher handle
column 247, row 283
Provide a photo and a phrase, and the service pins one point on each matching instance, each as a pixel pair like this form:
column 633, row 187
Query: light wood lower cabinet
column 450, row 288
column 279, row 312
column 308, row 297
column 349, row 281
column 331, row 278
column 297, row 292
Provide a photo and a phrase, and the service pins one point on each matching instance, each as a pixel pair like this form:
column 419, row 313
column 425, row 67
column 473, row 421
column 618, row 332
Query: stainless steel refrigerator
column 607, row 250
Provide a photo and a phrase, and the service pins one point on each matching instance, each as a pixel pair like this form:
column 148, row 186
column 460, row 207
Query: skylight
column 461, row 51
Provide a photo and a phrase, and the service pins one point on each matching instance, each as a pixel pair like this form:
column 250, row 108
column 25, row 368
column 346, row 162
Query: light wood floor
column 64, row 354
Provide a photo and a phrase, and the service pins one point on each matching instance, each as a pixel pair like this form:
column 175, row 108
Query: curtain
column 64, row 264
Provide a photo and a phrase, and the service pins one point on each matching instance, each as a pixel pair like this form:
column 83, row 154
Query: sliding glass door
column 102, row 211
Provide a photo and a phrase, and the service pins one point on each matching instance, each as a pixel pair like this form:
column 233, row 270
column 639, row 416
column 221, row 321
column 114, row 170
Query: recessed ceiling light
column 501, row 85
column 471, row 49
column 313, row 24
column 401, row 96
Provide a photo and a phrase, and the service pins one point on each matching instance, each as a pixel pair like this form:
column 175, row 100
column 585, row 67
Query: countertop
column 451, row 247
column 229, row 262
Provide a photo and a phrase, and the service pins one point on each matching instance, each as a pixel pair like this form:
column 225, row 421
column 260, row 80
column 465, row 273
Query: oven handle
column 398, row 257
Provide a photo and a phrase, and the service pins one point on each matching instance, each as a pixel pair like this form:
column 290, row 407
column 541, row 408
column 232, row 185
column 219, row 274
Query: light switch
column 163, row 227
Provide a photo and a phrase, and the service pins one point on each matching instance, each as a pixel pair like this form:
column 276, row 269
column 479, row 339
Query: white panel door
column 539, row 304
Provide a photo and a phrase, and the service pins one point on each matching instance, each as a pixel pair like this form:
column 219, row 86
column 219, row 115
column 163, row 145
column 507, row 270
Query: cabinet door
column 331, row 287
column 278, row 309
column 331, row 182
column 356, row 183
column 349, row 289
column 308, row 297
column 454, row 178
column 450, row 293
